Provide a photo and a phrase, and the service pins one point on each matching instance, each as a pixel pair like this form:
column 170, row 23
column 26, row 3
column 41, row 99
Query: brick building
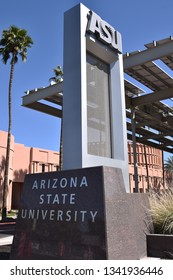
column 149, row 167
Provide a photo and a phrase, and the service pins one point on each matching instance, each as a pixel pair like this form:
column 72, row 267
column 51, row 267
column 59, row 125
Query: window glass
column 98, row 111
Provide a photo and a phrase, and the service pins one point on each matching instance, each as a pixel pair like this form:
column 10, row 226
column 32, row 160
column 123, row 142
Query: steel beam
column 41, row 94
column 147, row 55
column 151, row 97
column 45, row 109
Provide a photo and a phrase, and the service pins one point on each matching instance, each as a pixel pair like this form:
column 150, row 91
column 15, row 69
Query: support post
column 134, row 150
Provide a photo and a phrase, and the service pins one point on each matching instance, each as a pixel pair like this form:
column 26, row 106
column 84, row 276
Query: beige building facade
column 23, row 160
column 26, row 160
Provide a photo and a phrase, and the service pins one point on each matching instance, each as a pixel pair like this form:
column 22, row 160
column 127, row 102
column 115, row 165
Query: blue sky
column 139, row 22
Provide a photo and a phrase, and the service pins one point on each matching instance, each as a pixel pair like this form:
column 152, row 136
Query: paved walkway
column 6, row 239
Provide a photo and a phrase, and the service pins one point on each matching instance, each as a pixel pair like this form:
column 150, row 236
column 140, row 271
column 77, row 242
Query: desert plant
column 162, row 211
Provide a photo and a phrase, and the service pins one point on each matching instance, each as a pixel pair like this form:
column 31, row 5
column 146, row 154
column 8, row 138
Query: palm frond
column 58, row 75
column 14, row 41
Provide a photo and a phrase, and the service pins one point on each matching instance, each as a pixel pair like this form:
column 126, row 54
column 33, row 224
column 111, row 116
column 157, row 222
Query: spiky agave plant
column 162, row 212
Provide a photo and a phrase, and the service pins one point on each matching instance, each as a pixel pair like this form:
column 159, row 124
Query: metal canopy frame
column 152, row 118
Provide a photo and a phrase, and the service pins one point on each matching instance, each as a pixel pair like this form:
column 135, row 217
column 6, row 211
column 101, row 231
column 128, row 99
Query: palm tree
column 58, row 72
column 13, row 43
column 169, row 164
column 58, row 75
column 168, row 167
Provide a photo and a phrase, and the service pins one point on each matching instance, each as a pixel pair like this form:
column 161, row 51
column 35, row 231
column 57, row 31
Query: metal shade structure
column 153, row 118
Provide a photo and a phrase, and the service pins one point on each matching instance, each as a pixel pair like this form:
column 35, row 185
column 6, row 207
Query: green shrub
column 162, row 211
column 11, row 214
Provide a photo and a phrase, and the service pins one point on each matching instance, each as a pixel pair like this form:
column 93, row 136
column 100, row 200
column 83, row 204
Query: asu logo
column 104, row 32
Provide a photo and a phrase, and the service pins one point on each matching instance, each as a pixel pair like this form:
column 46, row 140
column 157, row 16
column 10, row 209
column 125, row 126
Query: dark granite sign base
column 78, row 215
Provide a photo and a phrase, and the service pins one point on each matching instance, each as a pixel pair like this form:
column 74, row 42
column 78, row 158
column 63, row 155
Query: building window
column 98, row 108
column 57, row 168
column 43, row 167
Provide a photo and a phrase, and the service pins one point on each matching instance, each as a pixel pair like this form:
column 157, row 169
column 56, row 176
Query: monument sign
column 61, row 216
column 85, row 211
column 94, row 118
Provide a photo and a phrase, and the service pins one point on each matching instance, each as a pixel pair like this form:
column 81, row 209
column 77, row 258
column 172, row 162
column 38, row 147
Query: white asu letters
column 106, row 33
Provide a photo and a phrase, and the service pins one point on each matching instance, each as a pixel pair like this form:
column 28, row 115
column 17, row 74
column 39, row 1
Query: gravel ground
column 5, row 252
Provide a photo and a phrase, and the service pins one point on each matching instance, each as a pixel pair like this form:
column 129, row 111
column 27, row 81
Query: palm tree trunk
column 7, row 161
